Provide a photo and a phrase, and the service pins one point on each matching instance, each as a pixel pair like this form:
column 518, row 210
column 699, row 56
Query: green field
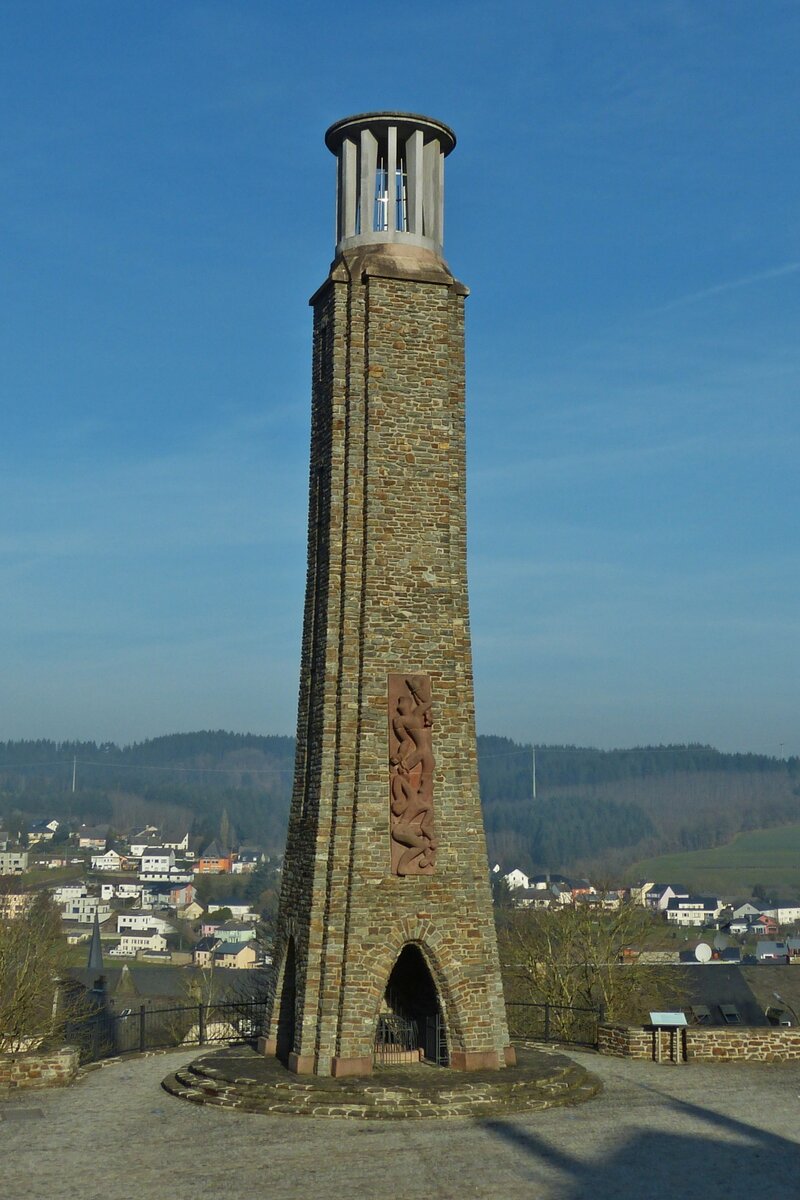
column 770, row 857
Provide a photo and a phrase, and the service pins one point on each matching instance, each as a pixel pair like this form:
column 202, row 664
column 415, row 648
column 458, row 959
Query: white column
column 431, row 192
column 369, row 165
column 414, row 151
column 391, row 179
column 348, row 159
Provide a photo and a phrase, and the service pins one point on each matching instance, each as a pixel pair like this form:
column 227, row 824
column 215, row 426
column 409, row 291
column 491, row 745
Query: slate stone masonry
column 386, row 593
column 703, row 1043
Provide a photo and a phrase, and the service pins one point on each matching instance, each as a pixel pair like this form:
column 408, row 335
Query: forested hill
column 597, row 809
column 183, row 780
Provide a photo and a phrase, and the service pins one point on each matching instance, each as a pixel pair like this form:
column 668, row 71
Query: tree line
column 594, row 809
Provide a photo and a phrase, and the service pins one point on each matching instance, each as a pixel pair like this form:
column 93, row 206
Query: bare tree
column 32, row 959
column 579, row 957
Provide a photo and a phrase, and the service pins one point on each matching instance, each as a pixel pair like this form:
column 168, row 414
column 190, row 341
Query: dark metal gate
column 435, row 1048
column 396, row 1039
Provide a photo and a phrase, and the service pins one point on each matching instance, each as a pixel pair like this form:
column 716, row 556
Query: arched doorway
column 284, row 1043
column 411, row 1015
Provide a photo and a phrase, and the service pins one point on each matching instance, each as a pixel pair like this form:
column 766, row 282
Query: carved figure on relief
column 412, row 767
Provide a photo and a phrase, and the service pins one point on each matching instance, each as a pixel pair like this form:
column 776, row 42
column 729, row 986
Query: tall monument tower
column 385, row 917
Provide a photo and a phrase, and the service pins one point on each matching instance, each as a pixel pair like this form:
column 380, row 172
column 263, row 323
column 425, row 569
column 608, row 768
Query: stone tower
column 385, row 912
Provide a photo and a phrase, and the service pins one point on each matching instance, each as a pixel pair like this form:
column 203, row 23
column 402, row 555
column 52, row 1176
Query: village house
column 13, row 862
column 148, row 835
column 42, row 831
column 157, row 862
column 767, row 951
column 764, row 926
column 136, row 940
column 110, row 861
column 95, row 838
column 240, row 910
column 66, row 892
column 245, row 862
column 213, row 861
column 693, row 910
column 785, row 912
column 637, row 892
column 235, row 931
column 124, row 890
column 135, row 920
column 746, row 911
column 241, row 956
column 203, row 951
column 660, row 894
column 534, row 897
column 15, row 904
column 176, row 841
column 85, row 909
column 166, row 894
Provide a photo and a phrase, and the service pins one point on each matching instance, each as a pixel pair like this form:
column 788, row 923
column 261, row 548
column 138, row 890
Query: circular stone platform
column 238, row 1077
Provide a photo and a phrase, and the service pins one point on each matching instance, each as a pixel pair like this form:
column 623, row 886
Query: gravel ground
column 657, row 1131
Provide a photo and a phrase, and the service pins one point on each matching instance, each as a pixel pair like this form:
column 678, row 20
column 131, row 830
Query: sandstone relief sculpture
column 412, row 765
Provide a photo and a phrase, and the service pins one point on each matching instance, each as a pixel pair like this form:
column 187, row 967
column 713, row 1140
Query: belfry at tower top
column 390, row 179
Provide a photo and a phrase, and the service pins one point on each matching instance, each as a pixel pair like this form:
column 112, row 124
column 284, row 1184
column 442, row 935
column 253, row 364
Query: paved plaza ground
column 656, row 1131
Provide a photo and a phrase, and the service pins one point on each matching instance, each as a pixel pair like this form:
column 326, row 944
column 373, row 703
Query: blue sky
column 623, row 203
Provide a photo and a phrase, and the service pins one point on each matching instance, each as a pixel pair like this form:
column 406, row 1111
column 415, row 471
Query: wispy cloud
column 731, row 285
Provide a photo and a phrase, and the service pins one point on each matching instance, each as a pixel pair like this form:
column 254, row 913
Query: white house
column 67, row 892
column 517, row 879
column 110, row 861
column 84, row 910
column 660, row 895
column 245, row 862
column 157, row 860
column 136, row 920
column 693, row 910
column 139, row 939
column 745, row 911
column 235, row 931
column 785, row 912
column 13, row 862
column 177, row 843
column 239, row 909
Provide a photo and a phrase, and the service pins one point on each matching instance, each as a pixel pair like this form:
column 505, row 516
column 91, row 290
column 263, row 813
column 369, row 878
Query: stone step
column 222, row 1082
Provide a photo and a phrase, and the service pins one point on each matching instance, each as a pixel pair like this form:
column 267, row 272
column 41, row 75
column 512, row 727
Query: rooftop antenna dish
column 702, row 952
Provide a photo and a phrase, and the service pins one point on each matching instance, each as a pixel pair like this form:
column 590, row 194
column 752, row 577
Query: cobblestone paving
column 681, row 1133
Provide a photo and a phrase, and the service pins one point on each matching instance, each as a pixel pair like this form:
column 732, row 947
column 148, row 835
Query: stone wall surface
column 39, row 1070
column 703, row 1043
column 386, row 593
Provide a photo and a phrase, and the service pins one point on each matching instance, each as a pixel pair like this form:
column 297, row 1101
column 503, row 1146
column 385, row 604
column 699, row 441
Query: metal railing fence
column 541, row 1021
column 105, row 1034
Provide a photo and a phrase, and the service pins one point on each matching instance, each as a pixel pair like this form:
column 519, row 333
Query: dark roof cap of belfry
column 340, row 129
